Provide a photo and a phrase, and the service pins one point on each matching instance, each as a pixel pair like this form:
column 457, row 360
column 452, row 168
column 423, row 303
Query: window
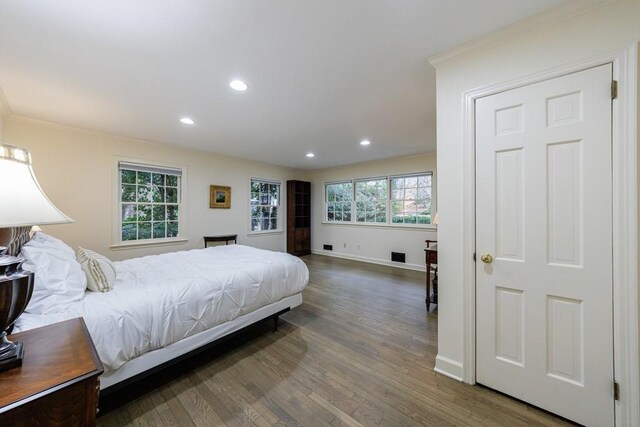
column 265, row 205
column 411, row 199
column 339, row 196
column 371, row 200
column 149, row 199
column 393, row 200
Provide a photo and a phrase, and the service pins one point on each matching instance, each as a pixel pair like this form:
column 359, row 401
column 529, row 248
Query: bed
column 163, row 307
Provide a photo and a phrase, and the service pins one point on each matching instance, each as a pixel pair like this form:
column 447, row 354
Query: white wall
column 376, row 242
column 75, row 168
column 612, row 27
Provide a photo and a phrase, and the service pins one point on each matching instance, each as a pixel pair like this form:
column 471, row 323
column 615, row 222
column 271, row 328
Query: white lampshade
column 22, row 201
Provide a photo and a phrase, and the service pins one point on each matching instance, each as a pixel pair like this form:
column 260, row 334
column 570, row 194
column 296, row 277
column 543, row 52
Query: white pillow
column 50, row 242
column 59, row 279
column 100, row 271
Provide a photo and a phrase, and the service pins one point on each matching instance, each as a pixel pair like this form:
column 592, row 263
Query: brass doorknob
column 486, row 258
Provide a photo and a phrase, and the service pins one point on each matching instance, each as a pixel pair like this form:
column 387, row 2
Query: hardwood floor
column 359, row 351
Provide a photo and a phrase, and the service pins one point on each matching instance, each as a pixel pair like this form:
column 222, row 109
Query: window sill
column 426, row 227
column 135, row 244
column 261, row 233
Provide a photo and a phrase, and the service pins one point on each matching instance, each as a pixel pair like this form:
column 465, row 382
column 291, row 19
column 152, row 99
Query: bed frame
column 156, row 360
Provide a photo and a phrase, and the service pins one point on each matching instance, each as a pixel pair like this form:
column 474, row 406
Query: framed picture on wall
column 219, row 197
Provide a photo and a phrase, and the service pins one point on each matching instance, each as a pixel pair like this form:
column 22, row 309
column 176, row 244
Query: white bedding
column 158, row 300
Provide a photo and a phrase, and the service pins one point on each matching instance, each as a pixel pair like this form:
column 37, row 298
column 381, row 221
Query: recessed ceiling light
column 186, row 121
column 310, row 155
column 365, row 142
column 238, row 85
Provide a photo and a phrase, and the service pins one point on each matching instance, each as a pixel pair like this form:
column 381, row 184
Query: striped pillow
column 100, row 271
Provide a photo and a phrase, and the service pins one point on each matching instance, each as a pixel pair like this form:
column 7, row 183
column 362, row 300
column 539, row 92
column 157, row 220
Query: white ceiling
column 322, row 74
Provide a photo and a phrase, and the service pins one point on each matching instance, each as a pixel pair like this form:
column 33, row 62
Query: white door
column 543, row 197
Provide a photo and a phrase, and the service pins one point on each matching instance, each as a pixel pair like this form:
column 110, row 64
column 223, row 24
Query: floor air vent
column 328, row 247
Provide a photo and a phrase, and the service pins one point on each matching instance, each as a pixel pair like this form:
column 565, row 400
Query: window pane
column 410, row 194
column 265, row 224
column 144, row 193
column 159, row 213
column 331, row 193
column 411, row 182
column 158, row 194
column 274, row 223
column 255, row 225
column 144, row 212
column 144, row 230
column 128, row 177
column 172, row 212
column 129, row 213
column 128, row 193
column 159, row 230
column 255, row 199
column 129, row 231
column 172, row 229
column 171, row 195
column 158, row 179
column 172, row 181
column 144, row 178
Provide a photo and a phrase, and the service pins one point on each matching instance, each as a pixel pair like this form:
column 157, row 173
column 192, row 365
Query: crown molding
column 517, row 30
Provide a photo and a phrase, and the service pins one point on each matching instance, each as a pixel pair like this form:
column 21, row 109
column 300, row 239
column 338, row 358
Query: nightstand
column 57, row 384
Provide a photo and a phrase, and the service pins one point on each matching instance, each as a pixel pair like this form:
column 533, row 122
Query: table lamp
column 23, row 204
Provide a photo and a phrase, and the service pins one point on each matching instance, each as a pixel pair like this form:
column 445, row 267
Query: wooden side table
column 57, row 384
column 223, row 238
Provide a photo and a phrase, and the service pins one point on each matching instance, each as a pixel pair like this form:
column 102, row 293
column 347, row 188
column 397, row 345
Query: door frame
column 625, row 220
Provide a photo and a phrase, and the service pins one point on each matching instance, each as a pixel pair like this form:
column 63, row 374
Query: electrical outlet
column 344, row 245
column 358, row 246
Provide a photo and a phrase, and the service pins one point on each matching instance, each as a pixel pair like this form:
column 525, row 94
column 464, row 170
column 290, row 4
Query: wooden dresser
column 57, row 384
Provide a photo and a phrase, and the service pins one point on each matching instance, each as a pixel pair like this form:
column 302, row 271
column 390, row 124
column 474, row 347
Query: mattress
column 161, row 299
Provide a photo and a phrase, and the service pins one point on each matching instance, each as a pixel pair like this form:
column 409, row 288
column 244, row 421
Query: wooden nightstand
column 57, row 384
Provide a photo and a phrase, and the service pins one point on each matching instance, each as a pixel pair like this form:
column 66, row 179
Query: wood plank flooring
column 359, row 351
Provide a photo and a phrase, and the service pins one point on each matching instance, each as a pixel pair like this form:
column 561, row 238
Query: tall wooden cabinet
column 298, row 217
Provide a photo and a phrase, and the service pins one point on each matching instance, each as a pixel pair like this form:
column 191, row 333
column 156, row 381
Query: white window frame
column 281, row 194
column 388, row 223
column 326, row 201
column 385, row 200
column 116, row 238
column 391, row 200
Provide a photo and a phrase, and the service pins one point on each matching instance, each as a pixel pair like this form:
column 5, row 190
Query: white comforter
column 160, row 299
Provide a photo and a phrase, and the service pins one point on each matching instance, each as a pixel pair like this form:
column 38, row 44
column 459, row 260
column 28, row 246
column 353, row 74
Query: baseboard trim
column 415, row 267
column 449, row 368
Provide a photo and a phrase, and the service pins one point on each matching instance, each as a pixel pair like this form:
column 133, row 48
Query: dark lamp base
column 12, row 358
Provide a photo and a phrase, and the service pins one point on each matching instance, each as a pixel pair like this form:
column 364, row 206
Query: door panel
column 543, row 197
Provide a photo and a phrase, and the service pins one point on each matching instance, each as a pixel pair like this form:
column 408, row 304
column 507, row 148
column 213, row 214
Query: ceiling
column 322, row 75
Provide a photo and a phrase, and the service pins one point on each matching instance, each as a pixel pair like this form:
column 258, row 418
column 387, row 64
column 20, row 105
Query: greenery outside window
column 265, row 205
column 339, row 196
column 150, row 202
column 393, row 200
column 371, row 200
column 411, row 199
